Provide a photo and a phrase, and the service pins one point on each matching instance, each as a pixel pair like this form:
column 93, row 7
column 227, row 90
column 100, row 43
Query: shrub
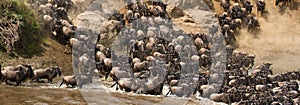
column 30, row 32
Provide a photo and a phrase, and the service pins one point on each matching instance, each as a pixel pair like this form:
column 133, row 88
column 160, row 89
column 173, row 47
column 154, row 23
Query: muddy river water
column 39, row 93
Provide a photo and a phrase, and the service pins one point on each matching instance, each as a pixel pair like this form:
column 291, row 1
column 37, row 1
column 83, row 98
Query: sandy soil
column 279, row 39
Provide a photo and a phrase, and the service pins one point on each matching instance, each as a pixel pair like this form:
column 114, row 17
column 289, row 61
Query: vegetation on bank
column 28, row 34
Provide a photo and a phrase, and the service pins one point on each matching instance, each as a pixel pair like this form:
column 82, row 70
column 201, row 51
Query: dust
column 278, row 40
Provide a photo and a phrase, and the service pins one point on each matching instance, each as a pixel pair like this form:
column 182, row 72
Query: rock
column 174, row 12
column 95, row 6
column 91, row 20
column 188, row 4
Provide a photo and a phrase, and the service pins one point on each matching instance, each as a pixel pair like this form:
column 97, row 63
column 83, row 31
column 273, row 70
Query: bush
column 30, row 32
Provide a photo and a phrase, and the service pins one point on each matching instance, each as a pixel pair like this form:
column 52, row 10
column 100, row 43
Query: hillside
column 33, row 44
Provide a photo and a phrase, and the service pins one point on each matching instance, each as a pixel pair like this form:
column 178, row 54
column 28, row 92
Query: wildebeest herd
column 54, row 14
column 153, row 57
column 20, row 73
column 238, row 15
column 284, row 2
column 146, row 48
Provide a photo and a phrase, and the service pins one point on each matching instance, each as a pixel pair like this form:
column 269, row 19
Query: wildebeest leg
column 106, row 76
column 117, row 88
column 6, row 81
column 168, row 92
column 67, row 84
column 18, row 83
column 271, row 72
column 196, row 89
column 50, row 80
column 61, row 83
column 139, row 91
column 114, row 84
column 37, row 80
column 248, row 29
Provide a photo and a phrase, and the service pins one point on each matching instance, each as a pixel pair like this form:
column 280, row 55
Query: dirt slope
column 52, row 55
column 279, row 39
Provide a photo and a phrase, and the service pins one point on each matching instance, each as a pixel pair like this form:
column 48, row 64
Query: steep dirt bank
column 279, row 39
column 33, row 43
column 52, row 55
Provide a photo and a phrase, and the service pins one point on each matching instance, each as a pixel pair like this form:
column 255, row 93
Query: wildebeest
column 283, row 2
column 48, row 73
column 225, row 4
column 68, row 80
column 17, row 73
column 248, row 6
column 253, row 24
column 77, row 79
column 260, row 6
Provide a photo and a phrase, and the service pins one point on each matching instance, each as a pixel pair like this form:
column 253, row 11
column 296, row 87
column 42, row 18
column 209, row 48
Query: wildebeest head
column 29, row 70
column 58, row 70
column 107, row 52
column 277, row 2
column 266, row 65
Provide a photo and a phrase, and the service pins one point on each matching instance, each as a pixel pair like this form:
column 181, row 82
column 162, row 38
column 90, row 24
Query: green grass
column 30, row 31
column 4, row 57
